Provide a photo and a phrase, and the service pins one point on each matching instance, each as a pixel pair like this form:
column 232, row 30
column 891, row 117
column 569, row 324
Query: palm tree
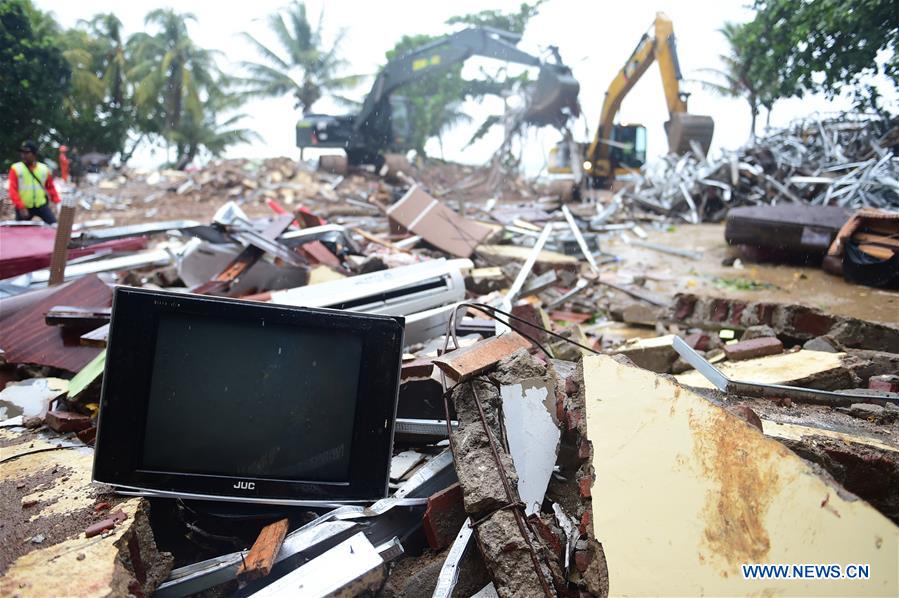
column 168, row 68
column 301, row 65
column 107, row 30
column 738, row 78
column 202, row 128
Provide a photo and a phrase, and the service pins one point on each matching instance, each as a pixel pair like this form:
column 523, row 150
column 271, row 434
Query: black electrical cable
column 489, row 309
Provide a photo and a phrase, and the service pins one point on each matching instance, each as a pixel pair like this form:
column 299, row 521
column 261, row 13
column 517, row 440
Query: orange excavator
column 617, row 149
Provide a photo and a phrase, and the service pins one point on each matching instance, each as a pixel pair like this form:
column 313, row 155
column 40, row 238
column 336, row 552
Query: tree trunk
column 127, row 155
column 754, row 110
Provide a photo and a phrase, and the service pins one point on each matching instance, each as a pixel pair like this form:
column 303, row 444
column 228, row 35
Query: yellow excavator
column 617, row 149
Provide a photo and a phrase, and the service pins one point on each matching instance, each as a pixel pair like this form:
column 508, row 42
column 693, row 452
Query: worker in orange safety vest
column 31, row 186
column 63, row 163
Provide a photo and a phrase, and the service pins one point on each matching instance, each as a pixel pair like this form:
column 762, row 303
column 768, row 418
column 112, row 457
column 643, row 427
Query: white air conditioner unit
column 399, row 291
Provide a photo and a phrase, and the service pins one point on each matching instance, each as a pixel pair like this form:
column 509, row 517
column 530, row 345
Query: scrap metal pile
column 559, row 427
column 848, row 161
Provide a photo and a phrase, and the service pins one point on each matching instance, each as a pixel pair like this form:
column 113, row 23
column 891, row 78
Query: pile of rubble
column 848, row 160
column 559, row 425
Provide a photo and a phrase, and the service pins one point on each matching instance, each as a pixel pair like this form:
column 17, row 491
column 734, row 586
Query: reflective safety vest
column 33, row 194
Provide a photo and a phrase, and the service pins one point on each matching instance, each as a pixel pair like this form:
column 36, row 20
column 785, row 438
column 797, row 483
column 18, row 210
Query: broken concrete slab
column 30, row 398
column 47, row 491
column 654, row 354
column 739, row 498
column 825, row 344
column 810, row 369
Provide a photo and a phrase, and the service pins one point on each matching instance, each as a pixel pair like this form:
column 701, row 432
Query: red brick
column 587, row 522
column 811, row 322
column 547, row 534
column 444, row 516
column 719, row 309
column 684, row 307
column 747, row 414
column 584, row 485
column 574, row 418
column 887, row 383
column 584, row 449
column 66, row 421
column 736, row 312
column 699, row 341
column 582, row 559
column 105, row 524
column 757, row 347
column 764, row 313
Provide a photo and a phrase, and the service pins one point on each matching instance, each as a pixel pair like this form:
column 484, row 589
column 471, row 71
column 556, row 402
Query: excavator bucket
column 684, row 128
column 554, row 98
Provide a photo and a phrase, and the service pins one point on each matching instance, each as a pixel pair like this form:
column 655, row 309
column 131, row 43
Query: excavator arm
column 365, row 135
column 681, row 128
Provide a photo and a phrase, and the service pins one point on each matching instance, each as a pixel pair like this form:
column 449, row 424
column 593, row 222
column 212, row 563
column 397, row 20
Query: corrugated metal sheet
column 26, row 338
column 28, row 248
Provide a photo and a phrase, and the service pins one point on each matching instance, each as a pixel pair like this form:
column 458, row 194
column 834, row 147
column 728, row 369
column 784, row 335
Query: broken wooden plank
column 262, row 555
column 500, row 255
column 801, row 368
column 464, row 363
column 716, row 494
column 96, row 338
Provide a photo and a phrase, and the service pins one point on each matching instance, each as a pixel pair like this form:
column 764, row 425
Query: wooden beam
column 261, row 558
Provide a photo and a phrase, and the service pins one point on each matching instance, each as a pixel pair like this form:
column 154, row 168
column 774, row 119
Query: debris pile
column 569, row 405
column 847, row 161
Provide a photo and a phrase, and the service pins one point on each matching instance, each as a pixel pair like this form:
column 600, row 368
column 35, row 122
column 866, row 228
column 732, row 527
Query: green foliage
column 513, row 22
column 826, row 46
column 744, row 73
column 823, row 46
column 33, row 77
column 304, row 65
column 175, row 82
column 96, row 115
column 435, row 101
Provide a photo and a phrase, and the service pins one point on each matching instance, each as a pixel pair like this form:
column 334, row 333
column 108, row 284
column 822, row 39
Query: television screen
column 224, row 399
column 246, row 399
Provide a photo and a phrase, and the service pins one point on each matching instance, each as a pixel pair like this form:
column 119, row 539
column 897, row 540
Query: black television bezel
column 126, row 389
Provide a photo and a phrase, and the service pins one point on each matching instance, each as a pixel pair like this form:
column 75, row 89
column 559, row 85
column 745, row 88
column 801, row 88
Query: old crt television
column 214, row 398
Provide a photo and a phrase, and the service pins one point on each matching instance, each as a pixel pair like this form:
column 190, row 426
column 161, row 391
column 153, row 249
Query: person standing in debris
column 63, row 163
column 31, row 186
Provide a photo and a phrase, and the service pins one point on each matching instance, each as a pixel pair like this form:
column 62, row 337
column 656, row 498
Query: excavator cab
column 628, row 146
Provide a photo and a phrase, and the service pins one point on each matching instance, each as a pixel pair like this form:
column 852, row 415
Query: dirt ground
column 807, row 285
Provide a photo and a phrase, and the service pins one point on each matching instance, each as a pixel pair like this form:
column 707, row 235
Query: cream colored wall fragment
column 686, row 492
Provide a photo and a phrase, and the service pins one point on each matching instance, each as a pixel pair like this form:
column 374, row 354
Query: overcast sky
column 594, row 38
